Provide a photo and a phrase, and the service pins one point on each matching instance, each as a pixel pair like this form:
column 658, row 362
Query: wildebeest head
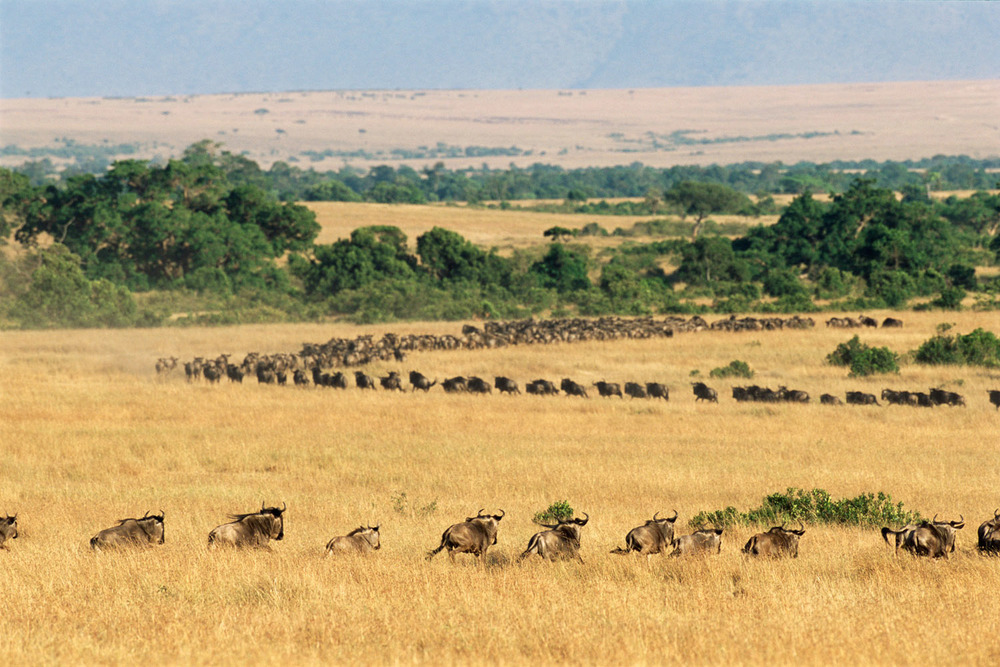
column 778, row 541
column 8, row 528
column 989, row 534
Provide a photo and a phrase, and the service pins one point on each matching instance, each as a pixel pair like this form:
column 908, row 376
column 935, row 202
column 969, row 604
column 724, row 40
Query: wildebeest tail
column 93, row 542
column 621, row 551
column 532, row 547
column 885, row 534
column 750, row 545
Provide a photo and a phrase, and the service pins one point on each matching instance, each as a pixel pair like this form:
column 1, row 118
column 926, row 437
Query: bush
column 864, row 359
column 556, row 511
column 816, row 506
column 736, row 368
column 978, row 348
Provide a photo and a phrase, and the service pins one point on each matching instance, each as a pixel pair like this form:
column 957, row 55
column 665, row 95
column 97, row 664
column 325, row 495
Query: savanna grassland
column 90, row 435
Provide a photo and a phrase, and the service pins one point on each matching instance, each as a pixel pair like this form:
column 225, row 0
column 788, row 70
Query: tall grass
column 89, row 435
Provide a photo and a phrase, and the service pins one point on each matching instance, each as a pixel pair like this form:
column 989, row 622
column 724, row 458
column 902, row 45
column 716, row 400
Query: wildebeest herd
column 559, row 541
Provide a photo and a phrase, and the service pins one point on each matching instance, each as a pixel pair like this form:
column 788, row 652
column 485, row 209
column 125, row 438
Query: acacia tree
column 702, row 199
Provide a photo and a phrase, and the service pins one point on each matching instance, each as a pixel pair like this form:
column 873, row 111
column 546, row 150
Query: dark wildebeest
column 653, row 537
column 635, row 390
column 255, row 529
column 420, row 381
column 144, row 532
column 867, row 321
column 861, row 398
column 391, row 381
column 541, row 388
column 792, row 395
column 363, row 381
column 703, row 392
column 934, row 539
column 775, row 543
column 299, row 377
column 658, row 390
column 505, row 385
column 830, row 399
column 989, row 534
column 212, row 373
column 608, row 388
column 474, row 535
column 571, row 388
column 338, row 381
column 700, row 542
column 994, row 398
column 234, row 373
column 562, row 540
column 361, row 540
column 454, row 385
column 477, row 385
column 8, row 529
column 949, row 398
column 892, row 322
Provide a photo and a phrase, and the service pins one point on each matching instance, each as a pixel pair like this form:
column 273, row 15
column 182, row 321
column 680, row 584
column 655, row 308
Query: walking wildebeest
column 830, row 399
column 477, row 385
column 131, row 533
column 653, row 537
column 420, row 381
column 658, row 390
column 949, row 398
column 608, row 389
column 571, row 388
column 892, row 322
column 989, row 534
column 361, row 540
column 454, row 385
column 994, row 398
column 861, row 398
column 777, row 542
column 935, row 539
column 474, row 535
column 543, row 388
column 363, row 381
column 635, row 390
column 255, row 529
column 700, row 542
column 562, row 540
column 703, row 392
column 505, row 385
column 8, row 529
column 391, row 381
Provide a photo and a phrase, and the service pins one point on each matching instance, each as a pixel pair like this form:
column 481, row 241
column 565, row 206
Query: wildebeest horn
column 996, row 513
column 284, row 506
column 802, row 525
column 656, row 515
column 958, row 524
column 502, row 514
column 934, row 520
column 480, row 512
column 674, row 517
column 584, row 522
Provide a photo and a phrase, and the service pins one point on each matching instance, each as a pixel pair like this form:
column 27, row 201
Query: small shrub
column 978, row 348
column 736, row 368
column 556, row 511
column 863, row 359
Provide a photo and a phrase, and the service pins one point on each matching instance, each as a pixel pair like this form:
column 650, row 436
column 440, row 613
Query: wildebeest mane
column 359, row 529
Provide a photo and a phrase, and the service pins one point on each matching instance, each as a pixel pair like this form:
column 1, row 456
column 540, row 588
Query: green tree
column 562, row 269
column 702, row 199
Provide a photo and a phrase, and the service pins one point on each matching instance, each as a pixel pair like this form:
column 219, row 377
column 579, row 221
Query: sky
column 134, row 48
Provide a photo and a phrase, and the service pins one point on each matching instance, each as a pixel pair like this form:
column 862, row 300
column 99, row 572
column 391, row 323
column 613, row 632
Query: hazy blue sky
column 63, row 48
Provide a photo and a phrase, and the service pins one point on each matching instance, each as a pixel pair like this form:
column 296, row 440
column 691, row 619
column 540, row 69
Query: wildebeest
column 700, row 542
column 867, row 321
column 338, row 381
column 608, row 388
column 420, row 381
column 658, row 390
column 949, row 398
column 989, row 534
column 145, row 532
column 892, row 322
column 300, row 378
column 165, row 365
column 361, row 540
column 830, row 399
column 363, row 381
column 702, row 392
column 505, row 385
column 571, row 388
column 392, row 381
column 8, row 529
column 254, row 529
column 994, row 398
column 454, row 385
column 562, row 540
column 934, row 539
column 792, row 395
column 775, row 543
column 543, row 388
column 477, row 385
column 861, row 398
column 653, row 537
column 635, row 390
column 474, row 536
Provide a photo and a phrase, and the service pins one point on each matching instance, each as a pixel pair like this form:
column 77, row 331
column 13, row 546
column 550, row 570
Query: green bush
column 863, row 359
column 978, row 348
column 559, row 510
column 815, row 506
column 736, row 368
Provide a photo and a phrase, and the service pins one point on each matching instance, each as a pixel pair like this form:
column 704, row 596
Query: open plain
column 89, row 435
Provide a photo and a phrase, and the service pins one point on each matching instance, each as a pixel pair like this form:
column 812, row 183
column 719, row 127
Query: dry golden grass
column 89, row 435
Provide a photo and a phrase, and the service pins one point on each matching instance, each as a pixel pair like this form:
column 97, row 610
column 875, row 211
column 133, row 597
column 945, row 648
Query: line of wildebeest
column 561, row 539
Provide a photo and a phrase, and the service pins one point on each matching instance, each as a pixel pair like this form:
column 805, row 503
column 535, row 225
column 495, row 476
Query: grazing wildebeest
column 861, row 398
column 541, row 388
column 635, row 390
column 392, row 381
column 830, row 399
column 363, row 381
column 477, row 385
column 775, row 543
column 700, row 542
column 653, row 537
column 361, row 540
column 703, row 392
column 989, row 534
column 892, row 322
column 8, row 529
column 562, row 540
column 474, row 535
column 454, row 385
column 608, row 388
column 505, row 385
column 934, row 539
column 300, row 378
column 144, row 532
column 420, row 381
column 658, row 390
column 994, row 398
column 255, row 529
column 571, row 388
column 949, row 398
